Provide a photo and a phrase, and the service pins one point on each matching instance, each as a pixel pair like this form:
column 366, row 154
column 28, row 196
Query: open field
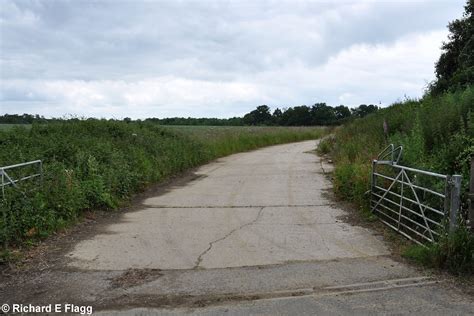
column 225, row 140
column 6, row 127
column 100, row 164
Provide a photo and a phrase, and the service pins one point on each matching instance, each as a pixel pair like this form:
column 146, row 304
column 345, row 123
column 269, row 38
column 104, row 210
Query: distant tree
column 249, row 119
column 455, row 67
column 260, row 116
column 297, row 116
column 322, row 114
column 21, row 119
column 364, row 109
column 127, row 120
column 276, row 116
column 342, row 112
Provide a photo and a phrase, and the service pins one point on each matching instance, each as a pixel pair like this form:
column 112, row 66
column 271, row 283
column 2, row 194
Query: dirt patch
column 134, row 277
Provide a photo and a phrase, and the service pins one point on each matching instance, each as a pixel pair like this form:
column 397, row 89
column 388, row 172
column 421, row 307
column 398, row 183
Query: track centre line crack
column 199, row 259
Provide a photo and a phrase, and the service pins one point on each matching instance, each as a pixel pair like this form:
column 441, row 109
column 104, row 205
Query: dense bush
column 96, row 164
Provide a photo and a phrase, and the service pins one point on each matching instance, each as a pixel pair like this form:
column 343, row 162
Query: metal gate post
column 455, row 202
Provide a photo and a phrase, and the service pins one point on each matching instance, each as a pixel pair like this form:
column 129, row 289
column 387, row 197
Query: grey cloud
column 213, row 41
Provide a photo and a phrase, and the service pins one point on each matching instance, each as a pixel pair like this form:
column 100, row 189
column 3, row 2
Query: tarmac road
column 254, row 233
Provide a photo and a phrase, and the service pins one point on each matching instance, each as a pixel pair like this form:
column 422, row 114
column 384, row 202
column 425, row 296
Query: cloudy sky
column 214, row 58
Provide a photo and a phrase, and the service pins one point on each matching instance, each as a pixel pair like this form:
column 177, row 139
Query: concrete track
column 259, row 208
column 254, row 233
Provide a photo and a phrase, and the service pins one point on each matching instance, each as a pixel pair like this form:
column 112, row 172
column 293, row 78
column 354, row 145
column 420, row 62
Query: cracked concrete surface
column 258, row 208
column 199, row 259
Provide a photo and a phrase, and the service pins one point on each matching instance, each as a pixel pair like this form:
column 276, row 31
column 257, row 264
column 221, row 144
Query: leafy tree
column 322, row 114
column 277, row 116
column 455, row 67
column 364, row 109
column 342, row 112
column 20, row 119
column 297, row 116
column 260, row 116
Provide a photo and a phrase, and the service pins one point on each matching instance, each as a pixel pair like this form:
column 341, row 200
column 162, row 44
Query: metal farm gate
column 416, row 203
column 14, row 174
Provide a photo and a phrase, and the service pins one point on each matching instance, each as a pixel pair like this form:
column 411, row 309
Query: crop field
column 225, row 140
column 90, row 165
column 6, row 127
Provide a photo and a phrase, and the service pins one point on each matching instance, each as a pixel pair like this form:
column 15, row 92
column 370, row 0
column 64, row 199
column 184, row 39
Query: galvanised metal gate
column 416, row 203
column 8, row 177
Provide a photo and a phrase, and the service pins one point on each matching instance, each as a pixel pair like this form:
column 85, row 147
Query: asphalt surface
column 254, row 233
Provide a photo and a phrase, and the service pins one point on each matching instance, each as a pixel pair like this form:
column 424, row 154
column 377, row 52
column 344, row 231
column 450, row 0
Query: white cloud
column 11, row 14
column 362, row 73
column 165, row 96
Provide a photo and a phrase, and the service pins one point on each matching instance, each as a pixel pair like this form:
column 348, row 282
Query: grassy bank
column 91, row 165
column 437, row 134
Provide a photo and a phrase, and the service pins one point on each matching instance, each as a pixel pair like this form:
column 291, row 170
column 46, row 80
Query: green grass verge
column 453, row 252
column 96, row 164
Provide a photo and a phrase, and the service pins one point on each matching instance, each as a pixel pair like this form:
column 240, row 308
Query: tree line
column 303, row 115
column 21, row 118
